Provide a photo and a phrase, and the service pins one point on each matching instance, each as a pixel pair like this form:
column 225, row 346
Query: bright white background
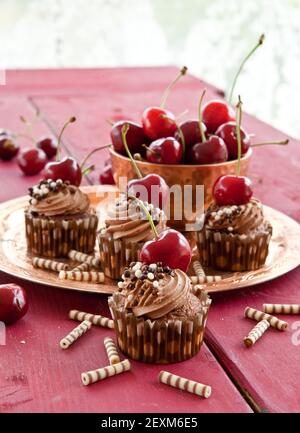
column 209, row 36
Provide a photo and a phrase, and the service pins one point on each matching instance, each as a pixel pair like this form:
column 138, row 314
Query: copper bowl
column 182, row 174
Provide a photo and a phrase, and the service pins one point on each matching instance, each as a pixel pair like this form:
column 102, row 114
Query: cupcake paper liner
column 117, row 254
column 159, row 341
column 53, row 237
column 233, row 252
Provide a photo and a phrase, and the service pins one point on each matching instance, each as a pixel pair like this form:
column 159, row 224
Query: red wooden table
column 35, row 374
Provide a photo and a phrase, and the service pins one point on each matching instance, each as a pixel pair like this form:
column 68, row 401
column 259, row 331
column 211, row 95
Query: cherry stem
column 180, row 115
column 171, row 85
column 150, row 150
column 258, row 44
column 148, row 215
column 110, row 122
column 203, row 138
column 238, row 134
column 134, row 164
column 71, row 120
column 92, row 153
column 29, row 137
column 280, row 142
column 181, row 135
column 87, row 170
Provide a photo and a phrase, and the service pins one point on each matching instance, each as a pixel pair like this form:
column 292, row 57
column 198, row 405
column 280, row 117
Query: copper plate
column 283, row 257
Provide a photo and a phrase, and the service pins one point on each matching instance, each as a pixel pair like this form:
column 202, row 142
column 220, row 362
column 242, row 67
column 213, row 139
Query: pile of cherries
column 33, row 159
column 159, row 139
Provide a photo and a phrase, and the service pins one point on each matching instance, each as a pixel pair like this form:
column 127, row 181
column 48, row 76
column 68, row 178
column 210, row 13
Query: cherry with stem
column 147, row 182
column 208, row 150
column 231, row 190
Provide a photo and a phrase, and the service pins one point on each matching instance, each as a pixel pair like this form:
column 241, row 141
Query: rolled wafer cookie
column 282, row 308
column 52, row 265
column 257, row 315
column 102, row 373
column 75, row 334
column 95, row 319
column 82, row 257
column 199, row 271
column 184, row 384
column 111, row 350
column 82, row 267
column 206, row 279
column 86, row 276
column 258, row 330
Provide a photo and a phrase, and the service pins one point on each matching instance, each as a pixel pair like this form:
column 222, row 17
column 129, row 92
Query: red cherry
column 228, row 133
column 215, row 113
column 232, row 190
column 171, row 248
column 212, row 151
column 67, row 169
column 8, row 147
column 151, row 188
column 32, row 161
column 135, row 137
column 48, row 145
column 191, row 132
column 165, row 151
column 106, row 176
column 158, row 123
column 13, row 303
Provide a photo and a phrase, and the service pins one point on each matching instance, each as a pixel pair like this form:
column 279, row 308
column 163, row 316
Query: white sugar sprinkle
column 150, row 276
column 138, row 273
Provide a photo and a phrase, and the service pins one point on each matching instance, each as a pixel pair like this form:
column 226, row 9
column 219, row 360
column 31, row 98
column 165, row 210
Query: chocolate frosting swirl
column 155, row 291
column 173, row 292
column 127, row 221
column 66, row 201
column 235, row 219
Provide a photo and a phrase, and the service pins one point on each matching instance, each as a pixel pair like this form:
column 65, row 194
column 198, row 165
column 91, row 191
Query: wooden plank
column 268, row 371
column 37, row 376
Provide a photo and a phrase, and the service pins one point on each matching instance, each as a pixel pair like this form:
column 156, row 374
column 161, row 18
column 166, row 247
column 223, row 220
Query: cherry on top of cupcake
column 234, row 189
column 151, row 188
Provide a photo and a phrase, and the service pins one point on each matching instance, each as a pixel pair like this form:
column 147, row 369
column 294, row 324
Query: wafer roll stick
column 282, row 308
column 102, row 373
column 95, row 319
column 82, row 267
column 256, row 332
column 257, row 315
column 75, row 334
column 199, row 271
column 82, row 257
column 52, row 265
column 86, row 276
column 206, row 279
column 184, row 384
column 111, row 350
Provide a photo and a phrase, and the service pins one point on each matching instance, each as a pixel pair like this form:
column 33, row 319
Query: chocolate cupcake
column 126, row 230
column 157, row 317
column 234, row 238
column 59, row 218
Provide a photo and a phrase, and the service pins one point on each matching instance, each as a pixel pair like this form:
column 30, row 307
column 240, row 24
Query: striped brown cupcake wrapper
column 233, row 252
column 55, row 238
column 156, row 341
column 116, row 254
